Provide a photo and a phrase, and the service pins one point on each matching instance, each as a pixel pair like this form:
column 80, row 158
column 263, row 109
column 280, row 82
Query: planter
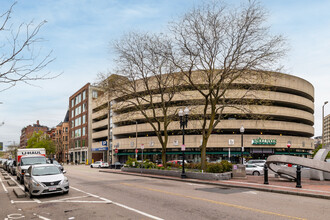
column 176, row 173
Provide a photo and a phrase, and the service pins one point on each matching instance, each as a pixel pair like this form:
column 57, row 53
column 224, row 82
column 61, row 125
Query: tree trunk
column 203, row 154
column 164, row 157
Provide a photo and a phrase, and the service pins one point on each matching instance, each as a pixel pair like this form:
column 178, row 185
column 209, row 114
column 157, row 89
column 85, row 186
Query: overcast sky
column 79, row 33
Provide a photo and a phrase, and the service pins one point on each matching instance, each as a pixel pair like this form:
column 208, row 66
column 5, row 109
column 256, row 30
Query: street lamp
column 183, row 125
column 326, row 102
column 289, row 145
column 242, row 148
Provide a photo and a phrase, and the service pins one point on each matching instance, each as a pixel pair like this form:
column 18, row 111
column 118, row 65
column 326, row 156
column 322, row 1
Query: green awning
column 292, row 153
column 179, row 152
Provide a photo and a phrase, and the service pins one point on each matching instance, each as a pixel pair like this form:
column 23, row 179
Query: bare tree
column 147, row 82
column 20, row 59
column 223, row 48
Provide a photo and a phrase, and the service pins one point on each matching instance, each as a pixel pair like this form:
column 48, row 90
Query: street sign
column 136, row 150
column 104, row 143
column 142, row 146
column 116, row 151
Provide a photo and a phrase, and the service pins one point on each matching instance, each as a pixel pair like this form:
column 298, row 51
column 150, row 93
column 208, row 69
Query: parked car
column 12, row 168
column 2, row 161
column 43, row 179
column 99, row 164
column 254, row 169
column 52, row 161
column 116, row 165
column 257, row 162
column 6, row 165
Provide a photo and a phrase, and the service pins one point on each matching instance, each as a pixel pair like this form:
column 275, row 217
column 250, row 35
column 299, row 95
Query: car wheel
column 91, row 166
column 256, row 173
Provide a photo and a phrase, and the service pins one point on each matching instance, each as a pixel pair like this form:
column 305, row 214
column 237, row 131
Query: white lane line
column 250, row 192
column 12, row 201
column 41, row 217
column 4, row 188
column 75, row 201
column 96, row 196
column 137, row 211
column 195, row 184
column 37, row 200
column 118, row 204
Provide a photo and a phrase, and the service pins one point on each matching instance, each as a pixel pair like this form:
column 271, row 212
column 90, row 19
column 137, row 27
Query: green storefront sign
column 260, row 141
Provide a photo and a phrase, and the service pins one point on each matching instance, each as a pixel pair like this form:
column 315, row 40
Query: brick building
column 62, row 139
column 27, row 132
column 80, row 124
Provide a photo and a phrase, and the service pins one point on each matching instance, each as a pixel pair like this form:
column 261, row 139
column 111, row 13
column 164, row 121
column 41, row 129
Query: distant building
column 62, row 139
column 327, row 130
column 1, row 146
column 317, row 141
column 80, row 124
column 27, row 132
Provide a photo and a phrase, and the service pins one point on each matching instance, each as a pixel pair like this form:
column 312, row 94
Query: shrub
column 214, row 168
column 130, row 161
column 226, row 166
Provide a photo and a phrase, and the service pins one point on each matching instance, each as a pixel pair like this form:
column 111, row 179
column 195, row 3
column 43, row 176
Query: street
column 96, row 195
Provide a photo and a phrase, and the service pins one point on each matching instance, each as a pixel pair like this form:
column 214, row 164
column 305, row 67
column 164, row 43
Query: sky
column 79, row 34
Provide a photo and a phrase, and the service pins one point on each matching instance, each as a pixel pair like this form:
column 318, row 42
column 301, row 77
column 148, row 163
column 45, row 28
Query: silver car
column 254, row 169
column 44, row 179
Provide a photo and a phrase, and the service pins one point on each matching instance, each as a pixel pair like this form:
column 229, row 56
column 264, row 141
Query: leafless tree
column 147, row 82
column 20, row 58
column 222, row 48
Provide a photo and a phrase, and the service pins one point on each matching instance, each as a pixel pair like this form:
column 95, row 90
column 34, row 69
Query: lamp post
column 242, row 148
column 289, row 145
column 326, row 102
column 183, row 125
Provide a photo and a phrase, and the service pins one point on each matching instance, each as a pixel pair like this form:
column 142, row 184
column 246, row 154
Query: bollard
column 298, row 176
column 265, row 174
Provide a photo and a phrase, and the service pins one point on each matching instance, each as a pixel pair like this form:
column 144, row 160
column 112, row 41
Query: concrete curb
column 225, row 184
column 19, row 193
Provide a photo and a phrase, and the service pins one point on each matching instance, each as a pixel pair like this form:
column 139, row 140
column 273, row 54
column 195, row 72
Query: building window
column 84, row 107
column 78, row 121
column 84, row 94
column 84, row 119
column 77, row 133
column 72, row 103
column 78, row 99
column 72, row 123
column 72, row 113
column 78, row 110
column 83, row 131
column 94, row 94
column 72, row 134
column 83, row 143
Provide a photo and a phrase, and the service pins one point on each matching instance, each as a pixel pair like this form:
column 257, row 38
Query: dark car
column 6, row 165
column 12, row 168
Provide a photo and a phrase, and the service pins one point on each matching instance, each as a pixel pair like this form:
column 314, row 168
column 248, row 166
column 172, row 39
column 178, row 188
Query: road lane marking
column 118, row 204
column 250, row 192
column 4, row 188
column 213, row 201
column 41, row 217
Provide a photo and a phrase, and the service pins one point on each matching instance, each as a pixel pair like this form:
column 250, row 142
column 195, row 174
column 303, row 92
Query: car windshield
column 33, row 160
column 44, row 171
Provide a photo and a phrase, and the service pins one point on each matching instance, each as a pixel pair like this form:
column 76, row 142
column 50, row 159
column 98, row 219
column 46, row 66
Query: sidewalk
column 310, row 188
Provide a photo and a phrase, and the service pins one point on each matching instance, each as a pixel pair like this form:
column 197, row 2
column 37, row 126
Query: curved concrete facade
column 283, row 111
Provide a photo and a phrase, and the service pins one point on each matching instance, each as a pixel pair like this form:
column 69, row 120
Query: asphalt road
column 95, row 195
